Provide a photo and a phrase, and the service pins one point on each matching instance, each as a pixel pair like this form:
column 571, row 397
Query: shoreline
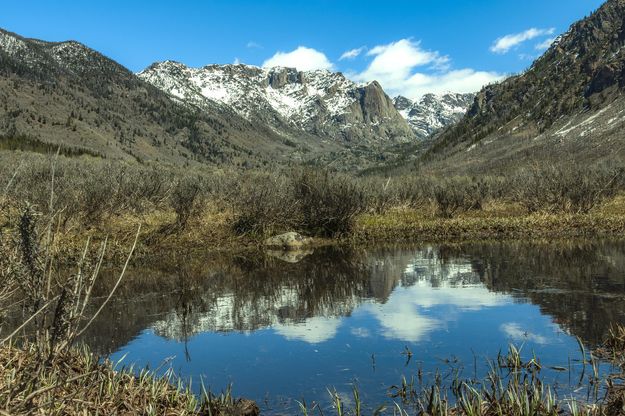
column 77, row 380
column 401, row 227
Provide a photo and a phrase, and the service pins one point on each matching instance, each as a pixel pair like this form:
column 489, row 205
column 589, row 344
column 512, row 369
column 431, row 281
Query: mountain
column 64, row 93
column 433, row 112
column 321, row 104
column 569, row 105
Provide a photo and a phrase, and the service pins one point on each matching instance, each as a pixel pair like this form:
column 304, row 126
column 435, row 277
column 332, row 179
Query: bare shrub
column 185, row 200
column 329, row 203
column 383, row 194
column 414, row 191
column 459, row 194
column 571, row 189
column 265, row 204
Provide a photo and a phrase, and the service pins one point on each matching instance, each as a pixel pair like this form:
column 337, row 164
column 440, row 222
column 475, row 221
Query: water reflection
column 316, row 320
column 581, row 285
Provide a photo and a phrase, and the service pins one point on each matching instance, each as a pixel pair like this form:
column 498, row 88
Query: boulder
column 288, row 241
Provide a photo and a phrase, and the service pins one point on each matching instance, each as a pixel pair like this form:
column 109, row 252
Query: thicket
column 89, row 191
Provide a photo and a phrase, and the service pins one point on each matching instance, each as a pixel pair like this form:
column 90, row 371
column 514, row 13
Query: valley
column 385, row 230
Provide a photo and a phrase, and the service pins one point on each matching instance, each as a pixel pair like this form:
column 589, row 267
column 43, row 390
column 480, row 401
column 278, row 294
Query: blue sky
column 411, row 46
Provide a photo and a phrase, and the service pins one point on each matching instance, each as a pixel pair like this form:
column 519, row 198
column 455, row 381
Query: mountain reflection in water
column 338, row 315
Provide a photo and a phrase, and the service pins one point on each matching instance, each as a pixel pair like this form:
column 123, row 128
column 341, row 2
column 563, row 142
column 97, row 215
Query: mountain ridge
column 68, row 94
column 320, row 102
column 65, row 93
column 568, row 105
column 433, row 112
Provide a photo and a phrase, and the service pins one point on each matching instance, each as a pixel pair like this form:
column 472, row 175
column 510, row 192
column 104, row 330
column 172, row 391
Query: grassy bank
column 78, row 383
column 213, row 230
column 497, row 220
column 234, row 210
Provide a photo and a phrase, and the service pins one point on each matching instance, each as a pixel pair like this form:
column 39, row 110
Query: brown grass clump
column 613, row 347
column 76, row 383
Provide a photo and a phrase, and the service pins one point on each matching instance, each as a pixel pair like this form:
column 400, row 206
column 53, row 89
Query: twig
column 28, row 320
column 134, row 245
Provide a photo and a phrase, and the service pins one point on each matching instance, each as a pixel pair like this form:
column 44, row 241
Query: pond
column 282, row 328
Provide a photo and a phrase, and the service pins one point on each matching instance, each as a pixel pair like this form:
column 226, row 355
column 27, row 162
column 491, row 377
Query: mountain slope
column 319, row 103
column 433, row 112
column 67, row 94
column 568, row 104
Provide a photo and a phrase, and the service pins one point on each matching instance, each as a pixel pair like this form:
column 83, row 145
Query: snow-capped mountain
column 433, row 112
column 319, row 103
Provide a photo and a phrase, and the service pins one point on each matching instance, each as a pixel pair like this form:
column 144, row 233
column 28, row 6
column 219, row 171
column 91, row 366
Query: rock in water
column 288, row 241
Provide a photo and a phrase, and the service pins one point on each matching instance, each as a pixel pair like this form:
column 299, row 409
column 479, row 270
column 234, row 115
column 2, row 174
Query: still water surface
column 282, row 329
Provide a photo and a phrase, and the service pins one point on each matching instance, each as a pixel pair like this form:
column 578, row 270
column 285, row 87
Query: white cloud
column 507, row 42
column 237, row 61
column 395, row 66
column 545, row 44
column 352, row 53
column 394, row 61
column 302, row 58
column 460, row 80
column 516, row 333
column 253, row 45
column 313, row 330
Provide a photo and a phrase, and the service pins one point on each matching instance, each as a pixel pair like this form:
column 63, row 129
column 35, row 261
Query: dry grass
column 211, row 229
column 498, row 219
column 228, row 209
column 77, row 383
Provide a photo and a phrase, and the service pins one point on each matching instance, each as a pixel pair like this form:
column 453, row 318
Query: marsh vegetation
column 228, row 207
column 68, row 213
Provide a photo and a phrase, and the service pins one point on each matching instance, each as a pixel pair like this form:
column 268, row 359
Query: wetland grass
column 512, row 387
column 232, row 209
column 45, row 371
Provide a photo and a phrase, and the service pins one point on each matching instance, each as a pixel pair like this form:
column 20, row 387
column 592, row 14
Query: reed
column 513, row 387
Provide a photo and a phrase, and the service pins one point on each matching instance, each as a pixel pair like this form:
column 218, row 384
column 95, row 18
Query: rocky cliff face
column 433, row 112
column 319, row 103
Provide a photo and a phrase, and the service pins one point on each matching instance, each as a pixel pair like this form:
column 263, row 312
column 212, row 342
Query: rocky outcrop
column 283, row 76
column 318, row 103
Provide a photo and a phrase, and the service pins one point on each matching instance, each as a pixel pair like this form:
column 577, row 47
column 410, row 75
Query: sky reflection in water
column 339, row 318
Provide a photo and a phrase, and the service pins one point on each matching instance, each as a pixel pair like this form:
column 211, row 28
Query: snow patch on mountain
column 433, row 112
column 318, row 103
column 295, row 96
